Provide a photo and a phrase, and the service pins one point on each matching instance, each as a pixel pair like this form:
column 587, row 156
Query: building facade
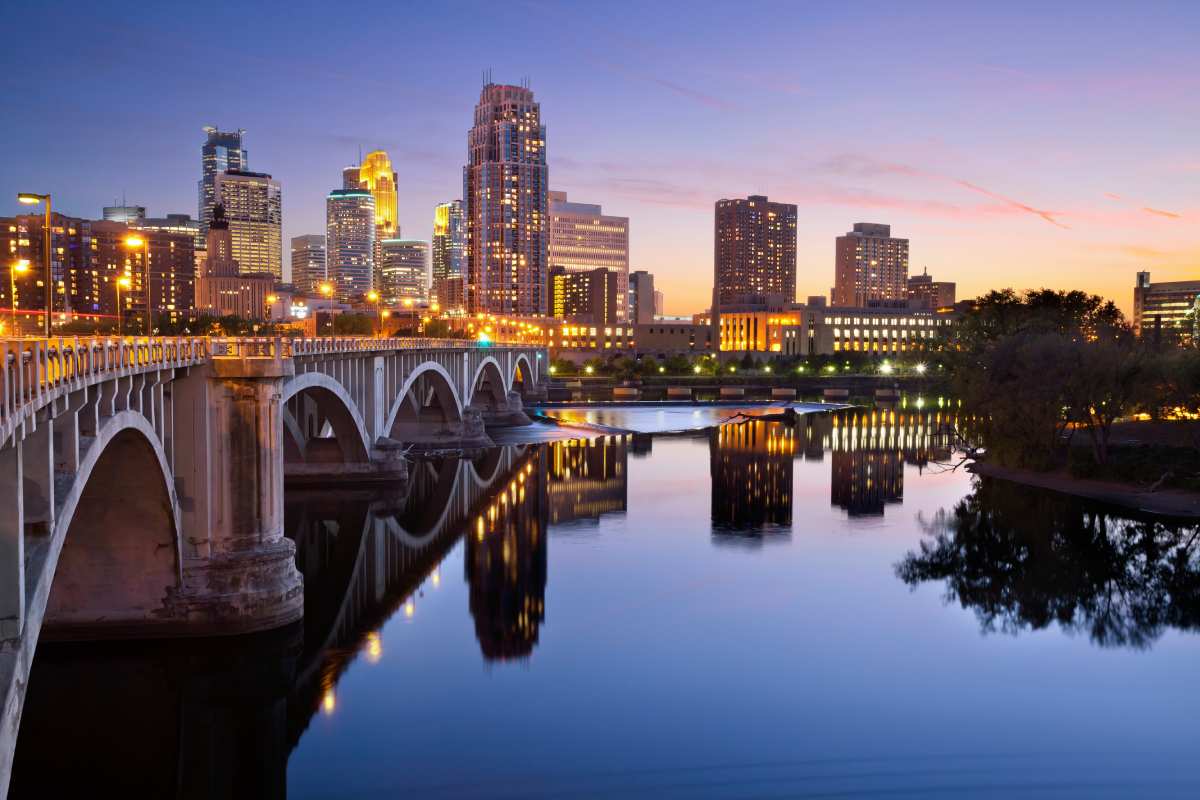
column 449, row 252
column 350, row 242
column 870, row 265
column 593, row 296
column 641, row 297
column 223, row 288
column 253, row 206
column 308, row 262
column 925, row 290
column 222, row 150
column 583, row 238
column 754, row 251
column 506, row 205
column 375, row 174
column 405, row 270
column 1166, row 308
column 130, row 215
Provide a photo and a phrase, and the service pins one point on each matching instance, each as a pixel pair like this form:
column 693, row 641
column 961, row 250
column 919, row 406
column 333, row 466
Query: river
column 750, row 610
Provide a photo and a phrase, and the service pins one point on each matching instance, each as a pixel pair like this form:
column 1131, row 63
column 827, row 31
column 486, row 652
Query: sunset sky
column 1026, row 144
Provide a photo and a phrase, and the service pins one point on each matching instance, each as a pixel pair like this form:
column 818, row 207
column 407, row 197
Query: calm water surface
column 749, row 611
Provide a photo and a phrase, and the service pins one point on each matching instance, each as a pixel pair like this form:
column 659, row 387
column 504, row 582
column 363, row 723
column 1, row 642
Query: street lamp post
column 134, row 242
column 16, row 268
column 123, row 282
column 327, row 290
column 373, row 299
column 32, row 199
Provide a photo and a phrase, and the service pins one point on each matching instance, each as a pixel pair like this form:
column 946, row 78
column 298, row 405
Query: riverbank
column 1165, row 502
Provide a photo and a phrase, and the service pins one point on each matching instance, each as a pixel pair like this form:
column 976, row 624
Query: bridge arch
column 117, row 536
column 523, row 377
column 488, row 388
column 427, row 405
column 314, row 403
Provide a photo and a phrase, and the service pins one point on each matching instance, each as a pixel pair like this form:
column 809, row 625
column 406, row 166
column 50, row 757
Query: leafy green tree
column 354, row 324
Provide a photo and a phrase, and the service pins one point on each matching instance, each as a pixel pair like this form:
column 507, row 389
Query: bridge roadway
column 144, row 477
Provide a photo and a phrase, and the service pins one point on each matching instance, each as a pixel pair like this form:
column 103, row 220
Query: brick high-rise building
column 871, row 265
column 507, row 211
column 925, row 290
column 254, row 211
column 582, row 239
column 755, row 251
column 591, row 296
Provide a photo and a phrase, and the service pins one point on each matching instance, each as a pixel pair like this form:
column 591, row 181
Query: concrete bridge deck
column 141, row 479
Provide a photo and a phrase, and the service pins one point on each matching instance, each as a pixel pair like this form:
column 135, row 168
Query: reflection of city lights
column 374, row 647
column 328, row 702
column 436, row 578
column 409, row 609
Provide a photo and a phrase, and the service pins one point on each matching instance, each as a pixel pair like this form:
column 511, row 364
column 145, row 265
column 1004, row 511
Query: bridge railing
column 31, row 369
column 289, row 347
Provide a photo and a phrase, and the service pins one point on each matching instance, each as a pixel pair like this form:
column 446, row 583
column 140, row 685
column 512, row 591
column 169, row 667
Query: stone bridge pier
column 142, row 480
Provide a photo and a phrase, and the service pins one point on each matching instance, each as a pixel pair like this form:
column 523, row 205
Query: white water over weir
column 141, row 479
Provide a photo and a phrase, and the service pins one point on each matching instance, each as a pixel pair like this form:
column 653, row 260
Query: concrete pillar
column 37, row 456
column 242, row 576
column 12, row 542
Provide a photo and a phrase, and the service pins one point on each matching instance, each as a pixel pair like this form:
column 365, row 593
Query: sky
column 1014, row 144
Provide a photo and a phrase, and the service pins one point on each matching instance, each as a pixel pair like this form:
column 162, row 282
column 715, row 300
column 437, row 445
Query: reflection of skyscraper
column 505, row 563
column 751, row 468
column 587, row 478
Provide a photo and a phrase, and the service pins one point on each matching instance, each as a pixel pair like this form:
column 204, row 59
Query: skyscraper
column 375, row 174
column 350, row 241
column 755, row 251
column 505, row 191
column 254, row 209
column 934, row 294
column 404, row 271
column 641, row 297
column 583, row 239
column 449, row 255
column 308, row 262
column 871, row 266
column 222, row 151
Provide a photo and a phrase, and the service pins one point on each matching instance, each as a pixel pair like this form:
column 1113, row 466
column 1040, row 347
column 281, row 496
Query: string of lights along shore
column 516, row 257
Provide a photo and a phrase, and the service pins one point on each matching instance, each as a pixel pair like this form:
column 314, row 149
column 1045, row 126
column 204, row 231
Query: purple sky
column 1025, row 144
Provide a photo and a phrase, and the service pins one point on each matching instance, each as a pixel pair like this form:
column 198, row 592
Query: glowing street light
column 19, row 267
column 373, row 299
column 123, row 282
column 589, row 369
column 32, row 199
column 696, row 369
column 921, row 369
column 885, row 368
column 327, row 290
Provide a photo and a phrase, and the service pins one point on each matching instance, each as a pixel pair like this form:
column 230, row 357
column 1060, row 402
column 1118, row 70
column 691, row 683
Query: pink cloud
column 1161, row 213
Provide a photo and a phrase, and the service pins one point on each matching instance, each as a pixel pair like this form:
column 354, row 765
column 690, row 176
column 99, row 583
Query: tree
column 354, row 324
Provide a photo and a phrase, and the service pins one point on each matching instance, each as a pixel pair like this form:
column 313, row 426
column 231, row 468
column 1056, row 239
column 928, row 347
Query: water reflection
column 505, row 565
column 1026, row 560
column 588, row 478
column 751, row 468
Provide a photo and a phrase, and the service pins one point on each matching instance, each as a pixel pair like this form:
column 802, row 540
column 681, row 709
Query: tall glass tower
column 350, row 242
column 222, row 151
column 449, row 255
column 505, row 184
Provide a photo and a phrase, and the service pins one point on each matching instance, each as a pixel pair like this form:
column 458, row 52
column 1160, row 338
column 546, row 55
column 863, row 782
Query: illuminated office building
column 506, row 206
column 224, row 287
column 583, row 239
column 642, row 298
column 404, row 271
column 254, row 210
column 449, row 253
column 375, row 174
column 130, row 215
column 308, row 262
column 222, row 151
column 592, row 296
column 1167, row 307
column 870, row 265
column 350, row 242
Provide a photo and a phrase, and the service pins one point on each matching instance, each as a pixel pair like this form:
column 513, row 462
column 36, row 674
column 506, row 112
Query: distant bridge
column 143, row 478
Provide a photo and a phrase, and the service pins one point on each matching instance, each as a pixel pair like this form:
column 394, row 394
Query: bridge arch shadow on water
column 219, row 717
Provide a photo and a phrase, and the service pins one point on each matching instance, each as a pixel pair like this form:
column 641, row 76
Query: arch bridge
column 141, row 480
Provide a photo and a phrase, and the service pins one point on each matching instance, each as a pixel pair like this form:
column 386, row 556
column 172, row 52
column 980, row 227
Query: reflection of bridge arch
column 389, row 559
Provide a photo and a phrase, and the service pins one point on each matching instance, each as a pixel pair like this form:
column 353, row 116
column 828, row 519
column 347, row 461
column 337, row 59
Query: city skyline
column 1010, row 156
